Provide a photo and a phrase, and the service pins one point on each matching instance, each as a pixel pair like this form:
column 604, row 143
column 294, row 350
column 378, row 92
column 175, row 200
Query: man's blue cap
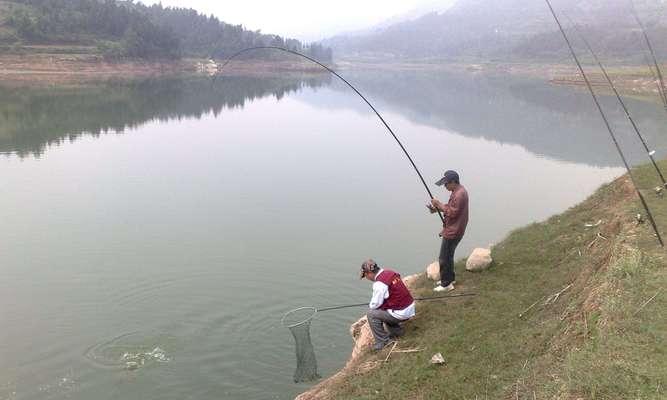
column 449, row 176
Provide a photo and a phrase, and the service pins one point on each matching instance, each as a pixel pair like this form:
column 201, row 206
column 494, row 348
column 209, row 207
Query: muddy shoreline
column 76, row 69
column 73, row 69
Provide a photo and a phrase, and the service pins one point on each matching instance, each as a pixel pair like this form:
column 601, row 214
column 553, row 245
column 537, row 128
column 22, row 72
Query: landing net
column 298, row 322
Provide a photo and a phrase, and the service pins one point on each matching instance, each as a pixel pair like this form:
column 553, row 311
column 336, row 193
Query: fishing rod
column 620, row 100
column 656, row 80
column 416, row 299
column 663, row 90
column 604, row 118
column 238, row 53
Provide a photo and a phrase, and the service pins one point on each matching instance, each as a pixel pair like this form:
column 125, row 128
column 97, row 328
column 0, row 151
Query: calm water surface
column 179, row 216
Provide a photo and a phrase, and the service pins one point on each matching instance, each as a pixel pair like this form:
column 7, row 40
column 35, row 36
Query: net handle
column 415, row 299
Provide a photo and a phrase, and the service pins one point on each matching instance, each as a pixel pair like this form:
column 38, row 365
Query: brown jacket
column 456, row 214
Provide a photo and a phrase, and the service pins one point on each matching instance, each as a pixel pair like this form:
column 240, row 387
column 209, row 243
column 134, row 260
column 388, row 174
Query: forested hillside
column 127, row 29
column 514, row 30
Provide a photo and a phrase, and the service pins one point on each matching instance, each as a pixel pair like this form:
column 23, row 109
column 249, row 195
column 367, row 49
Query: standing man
column 456, row 220
column 391, row 303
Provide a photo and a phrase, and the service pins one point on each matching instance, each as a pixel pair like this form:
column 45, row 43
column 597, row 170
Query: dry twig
column 529, row 308
column 554, row 297
column 646, row 302
column 416, row 350
column 390, row 351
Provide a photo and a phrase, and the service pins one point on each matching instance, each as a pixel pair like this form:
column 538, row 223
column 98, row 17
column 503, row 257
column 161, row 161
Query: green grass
column 625, row 357
column 589, row 343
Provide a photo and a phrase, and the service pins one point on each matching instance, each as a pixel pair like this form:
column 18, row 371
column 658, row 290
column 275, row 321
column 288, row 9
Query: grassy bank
column 566, row 312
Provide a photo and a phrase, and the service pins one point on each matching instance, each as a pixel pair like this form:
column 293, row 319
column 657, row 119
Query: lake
column 172, row 222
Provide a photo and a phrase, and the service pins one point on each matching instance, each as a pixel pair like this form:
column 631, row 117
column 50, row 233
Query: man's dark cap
column 368, row 266
column 449, row 177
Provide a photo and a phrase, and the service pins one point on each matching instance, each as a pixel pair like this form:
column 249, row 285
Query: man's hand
column 436, row 204
column 432, row 209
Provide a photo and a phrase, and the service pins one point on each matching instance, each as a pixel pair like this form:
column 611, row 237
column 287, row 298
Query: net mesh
column 298, row 322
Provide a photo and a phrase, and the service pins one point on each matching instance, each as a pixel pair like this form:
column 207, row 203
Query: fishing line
column 238, row 53
column 656, row 80
column 620, row 100
column 604, row 118
column 663, row 90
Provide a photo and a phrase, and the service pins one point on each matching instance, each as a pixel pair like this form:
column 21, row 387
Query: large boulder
column 433, row 271
column 410, row 280
column 479, row 260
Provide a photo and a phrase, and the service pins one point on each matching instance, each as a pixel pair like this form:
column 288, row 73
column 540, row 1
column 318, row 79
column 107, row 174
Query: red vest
column 399, row 295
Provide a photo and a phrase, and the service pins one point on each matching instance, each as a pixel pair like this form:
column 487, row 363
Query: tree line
column 128, row 29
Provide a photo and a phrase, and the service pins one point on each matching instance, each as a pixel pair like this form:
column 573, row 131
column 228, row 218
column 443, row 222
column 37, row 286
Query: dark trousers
column 446, row 260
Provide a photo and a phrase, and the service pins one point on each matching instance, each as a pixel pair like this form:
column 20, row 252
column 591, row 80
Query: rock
column 437, row 359
column 410, row 280
column 433, row 271
column 362, row 336
column 479, row 260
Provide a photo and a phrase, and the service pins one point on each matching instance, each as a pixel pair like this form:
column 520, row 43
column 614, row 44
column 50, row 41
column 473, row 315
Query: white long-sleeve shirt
column 381, row 293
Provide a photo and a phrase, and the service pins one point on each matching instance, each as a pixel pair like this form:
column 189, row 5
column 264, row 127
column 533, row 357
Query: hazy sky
column 302, row 19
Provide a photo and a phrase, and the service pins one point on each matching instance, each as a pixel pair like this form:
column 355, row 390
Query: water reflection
column 31, row 119
column 553, row 121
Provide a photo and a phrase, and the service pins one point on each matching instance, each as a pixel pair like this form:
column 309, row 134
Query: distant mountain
column 434, row 6
column 423, row 9
column 510, row 30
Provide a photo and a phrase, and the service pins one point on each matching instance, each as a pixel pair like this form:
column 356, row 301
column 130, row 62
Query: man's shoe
column 438, row 284
column 397, row 333
column 379, row 346
column 447, row 288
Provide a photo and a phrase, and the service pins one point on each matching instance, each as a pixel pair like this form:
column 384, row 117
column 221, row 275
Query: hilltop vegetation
column 118, row 29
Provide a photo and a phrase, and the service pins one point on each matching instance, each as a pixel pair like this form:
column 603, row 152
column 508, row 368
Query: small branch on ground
column 529, row 308
column 390, row 351
column 554, row 297
column 646, row 302
column 598, row 236
column 416, row 350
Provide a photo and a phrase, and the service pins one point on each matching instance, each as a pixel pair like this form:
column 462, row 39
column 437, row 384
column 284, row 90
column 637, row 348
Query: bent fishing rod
column 238, row 53
column 416, row 299
column 620, row 100
column 606, row 121
column 662, row 90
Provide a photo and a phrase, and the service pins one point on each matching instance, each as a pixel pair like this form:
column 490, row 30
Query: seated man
column 390, row 304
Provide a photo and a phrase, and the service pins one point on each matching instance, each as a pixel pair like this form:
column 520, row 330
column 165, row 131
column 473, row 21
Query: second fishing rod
column 662, row 89
column 606, row 122
column 620, row 100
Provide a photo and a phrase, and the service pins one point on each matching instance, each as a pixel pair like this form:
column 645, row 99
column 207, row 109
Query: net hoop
column 301, row 322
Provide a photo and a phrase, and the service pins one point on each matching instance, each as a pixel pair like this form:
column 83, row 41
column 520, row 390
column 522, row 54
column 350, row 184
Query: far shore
column 630, row 80
column 43, row 68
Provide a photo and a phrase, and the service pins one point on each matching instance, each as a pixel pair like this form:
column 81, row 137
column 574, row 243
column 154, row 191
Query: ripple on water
column 133, row 350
